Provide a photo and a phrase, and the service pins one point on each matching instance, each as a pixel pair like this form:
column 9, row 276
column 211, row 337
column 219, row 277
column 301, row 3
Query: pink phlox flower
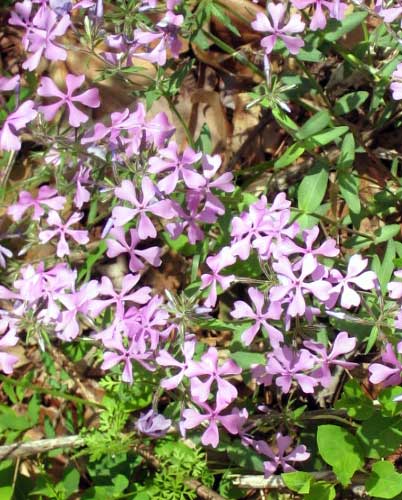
column 216, row 263
column 113, row 132
column 232, row 422
column 297, row 286
column 276, row 27
column 389, row 11
column 122, row 215
column 47, row 196
column 117, row 244
column 335, row 8
column 389, row 373
column 327, row 249
column 8, row 338
column 395, row 292
column 181, row 166
column 76, row 303
column 9, row 84
column 153, row 424
column 354, row 276
column 119, row 298
column 272, row 311
column 62, row 230
column 343, row 344
column 224, row 182
column 205, row 372
column 82, row 195
column 89, row 98
column 9, row 140
column 41, row 38
column 21, row 17
column 4, row 252
column 119, row 353
column 288, row 365
column 281, row 458
column 165, row 359
column 159, row 130
column 150, row 320
column 396, row 85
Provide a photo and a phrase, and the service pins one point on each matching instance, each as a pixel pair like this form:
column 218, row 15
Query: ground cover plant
column 201, row 256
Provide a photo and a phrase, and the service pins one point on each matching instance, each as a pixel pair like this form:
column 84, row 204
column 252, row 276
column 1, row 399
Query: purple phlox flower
column 89, row 98
column 280, row 458
column 101, row 131
column 272, row 311
column 149, row 321
column 232, row 422
column 385, row 374
column 62, row 230
column 75, row 303
column 126, row 355
column 275, row 25
column 189, row 220
column 4, row 252
column 47, row 196
column 159, row 130
column 46, row 28
column 181, row 166
column 335, row 8
column 326, row 249
column 206, row 371
column 343, row 344
column 166, row 36
column 61, row 7
column 82, row 195
column 8, row 338
column 261, row 226
column 388, row 11
column 153, row 424
column 216, row 263
column 288, row 365
column 122, row 215
column 9, row 84
column 21, row 17
column 135, row 125
column 396, row 85
column 167, row 360
column 106, row 288
column 118, row 245
column 210, row 166
column 395, row 287
column 296, row 286
column 354, row 276
column 9, row 141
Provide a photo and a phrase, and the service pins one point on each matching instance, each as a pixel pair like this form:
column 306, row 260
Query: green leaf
column 70, row 481
column 285, row 121
column 312, row 188
column 347, row 156
column 385, row 268
column 349, row 102
column 314, row 124
column 349, row 187
column 380, row 435
column 300, row 482
column 246, row 359
column 220, row 14
column 341, row 450
column 384, row 482
column 385, row 233
column 329, row 135
column 355, row 401
column 321, row 491
column 386, row 398
column 244, row 457
column 336, row 29
column 290, row 155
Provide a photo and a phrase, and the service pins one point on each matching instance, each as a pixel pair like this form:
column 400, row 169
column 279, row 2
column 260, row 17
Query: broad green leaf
column 312, row 188
column 315, row 124
column 380, row 435
column 384, row 481
column 336, row 29
column 246, row 359
column 341, row 450
column 244, row 457
column 329, row 135
column 385, row 233
column 349, row 102
column 300, row 482
column 385, row 268
column 355, row 401
column 321, row 491
column 386, row 398
column 347, row 156
column 285, row 121
column 290, row 155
